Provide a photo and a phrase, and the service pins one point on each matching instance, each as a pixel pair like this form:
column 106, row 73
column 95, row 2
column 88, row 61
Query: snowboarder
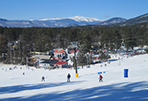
column 23, row 73
column 68, row 77
column 43, row 78
column 100, row 78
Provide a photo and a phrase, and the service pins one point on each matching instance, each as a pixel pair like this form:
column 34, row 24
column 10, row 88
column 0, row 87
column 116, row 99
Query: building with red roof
column 60, row 53
column 61, row 64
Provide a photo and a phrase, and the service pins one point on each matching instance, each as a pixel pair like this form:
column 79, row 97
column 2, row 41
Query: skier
column 100, row 78
column 105, row 65
column 43, row 78
column 68, row 77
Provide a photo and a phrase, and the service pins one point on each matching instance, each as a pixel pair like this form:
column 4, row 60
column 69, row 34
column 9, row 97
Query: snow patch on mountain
column 81, row 18
column 76, row 18
column 56, row 22
column 50, row 19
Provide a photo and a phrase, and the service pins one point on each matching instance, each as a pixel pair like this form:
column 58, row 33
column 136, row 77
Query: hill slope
column 57, row 22
column 16, row 86
column 139, row 19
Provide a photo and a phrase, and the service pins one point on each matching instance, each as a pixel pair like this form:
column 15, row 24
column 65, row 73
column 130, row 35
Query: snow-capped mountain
column 81, row 18
column 75, row 18
column 54, row 22
column 71, row 21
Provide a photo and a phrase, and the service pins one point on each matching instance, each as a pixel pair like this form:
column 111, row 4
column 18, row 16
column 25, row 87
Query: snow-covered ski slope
column 14, row 86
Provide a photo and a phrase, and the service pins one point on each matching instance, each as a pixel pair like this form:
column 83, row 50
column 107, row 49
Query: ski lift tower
column 105, row 46
column 122, row 45
column 74, row 44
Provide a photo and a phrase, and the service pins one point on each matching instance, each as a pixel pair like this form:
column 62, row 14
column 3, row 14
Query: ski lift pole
column 75, row 63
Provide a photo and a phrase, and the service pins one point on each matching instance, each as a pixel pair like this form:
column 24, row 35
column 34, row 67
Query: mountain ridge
column 55, row 22
column 76, row 18
column 139, row 19
column 114, row 20
column 72, row 21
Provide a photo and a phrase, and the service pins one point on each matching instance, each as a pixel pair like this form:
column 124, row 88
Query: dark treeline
column 45, row 39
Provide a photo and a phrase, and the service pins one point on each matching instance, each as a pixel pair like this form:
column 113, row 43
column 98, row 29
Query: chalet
column 60, row 53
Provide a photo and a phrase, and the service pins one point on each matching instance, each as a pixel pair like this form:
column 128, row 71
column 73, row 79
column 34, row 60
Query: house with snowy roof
column 60, row 53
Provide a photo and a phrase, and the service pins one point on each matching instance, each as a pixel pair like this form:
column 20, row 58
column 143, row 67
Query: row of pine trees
column 18, row 42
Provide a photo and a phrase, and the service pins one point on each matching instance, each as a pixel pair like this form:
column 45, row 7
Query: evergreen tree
column 103, row 56
column 81, row 57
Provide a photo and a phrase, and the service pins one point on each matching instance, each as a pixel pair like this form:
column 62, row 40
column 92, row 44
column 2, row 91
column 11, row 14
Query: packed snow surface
column 14, row 86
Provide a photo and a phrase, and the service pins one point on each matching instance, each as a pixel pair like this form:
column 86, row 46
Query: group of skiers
column 69, row 76
column 100, row 78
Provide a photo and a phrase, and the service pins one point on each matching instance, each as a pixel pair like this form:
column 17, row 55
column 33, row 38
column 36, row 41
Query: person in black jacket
column 68, row 77
column 43, row 78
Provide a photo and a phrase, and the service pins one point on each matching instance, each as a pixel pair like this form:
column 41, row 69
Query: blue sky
column 101, row 9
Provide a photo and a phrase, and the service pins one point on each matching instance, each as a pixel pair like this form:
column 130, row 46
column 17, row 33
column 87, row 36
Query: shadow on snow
column 116, row 92
column 18, row 88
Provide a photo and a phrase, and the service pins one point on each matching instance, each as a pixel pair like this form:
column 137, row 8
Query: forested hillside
column 23, row 40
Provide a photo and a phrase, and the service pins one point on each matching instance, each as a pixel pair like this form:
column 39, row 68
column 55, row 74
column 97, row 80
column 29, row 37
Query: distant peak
column 81, row 18
column 3, row 19
column 76, row 18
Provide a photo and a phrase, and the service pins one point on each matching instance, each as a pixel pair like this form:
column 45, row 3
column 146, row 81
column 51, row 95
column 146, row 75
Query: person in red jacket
column 100, row 78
